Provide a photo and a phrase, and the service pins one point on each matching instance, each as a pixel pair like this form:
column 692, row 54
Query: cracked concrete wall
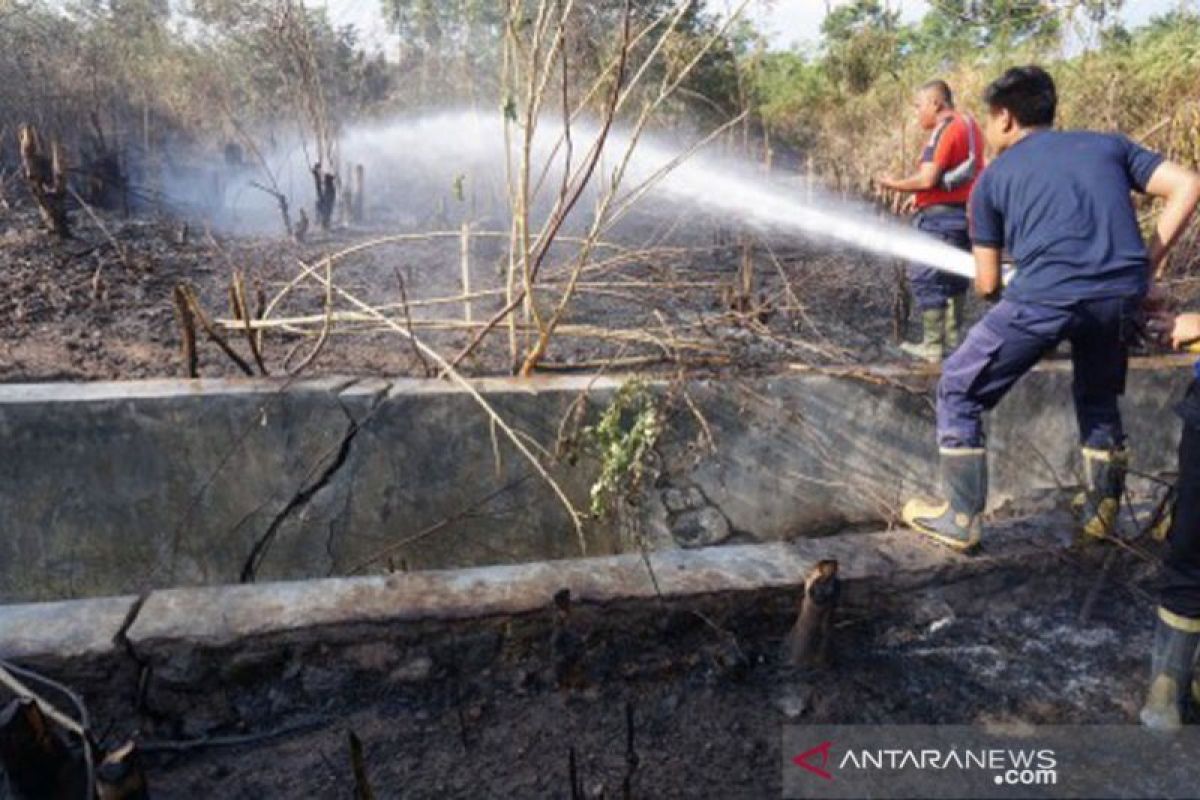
column 122, row 488
column 804, row 455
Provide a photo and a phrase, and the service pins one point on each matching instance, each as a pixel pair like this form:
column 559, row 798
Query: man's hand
column 1185, row 331
column 1156, row 301
column 989, row 279
column 885, row 181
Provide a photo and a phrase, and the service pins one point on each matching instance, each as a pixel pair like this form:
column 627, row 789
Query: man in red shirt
column 940, row 187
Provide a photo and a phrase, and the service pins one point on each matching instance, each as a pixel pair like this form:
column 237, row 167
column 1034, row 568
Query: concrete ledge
column 214, row 617
column 72, row 629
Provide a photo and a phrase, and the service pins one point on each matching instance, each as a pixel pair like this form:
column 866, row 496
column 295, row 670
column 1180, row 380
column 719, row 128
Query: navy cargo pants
column 1179, row 578
column 932, row 288
column 1009, row 341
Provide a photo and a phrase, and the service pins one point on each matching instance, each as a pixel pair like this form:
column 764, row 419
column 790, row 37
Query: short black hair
column 943, row 90
column 1028, row 93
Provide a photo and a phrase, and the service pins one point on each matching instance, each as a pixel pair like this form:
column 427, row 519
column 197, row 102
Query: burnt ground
column 81, row 310
column 663, row 292
column 484, row 717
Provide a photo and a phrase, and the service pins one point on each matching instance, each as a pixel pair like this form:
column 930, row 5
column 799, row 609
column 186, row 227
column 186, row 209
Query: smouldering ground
column 707, row 709
column 663, row 294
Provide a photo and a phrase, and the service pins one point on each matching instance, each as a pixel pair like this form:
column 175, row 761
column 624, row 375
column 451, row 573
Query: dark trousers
column 1179, row 579
column 1012, row 338
column 932, row 288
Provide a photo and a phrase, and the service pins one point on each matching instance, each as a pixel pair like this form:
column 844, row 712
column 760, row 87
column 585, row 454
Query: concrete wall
column 122, row 488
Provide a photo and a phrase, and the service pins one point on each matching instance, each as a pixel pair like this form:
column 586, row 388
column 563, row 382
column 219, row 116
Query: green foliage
column 623, row 439
column 861, row 44
column 787, row 87
column 954, row 26
column 848, row 104
column 845, row 22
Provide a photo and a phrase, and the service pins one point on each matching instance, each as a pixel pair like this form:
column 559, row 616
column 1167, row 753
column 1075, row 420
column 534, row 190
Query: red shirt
column 949, row 146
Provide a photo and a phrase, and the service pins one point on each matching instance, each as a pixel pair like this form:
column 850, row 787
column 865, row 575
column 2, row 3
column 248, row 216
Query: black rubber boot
column 1098, row 505
column 1175, row 641
column 954, row 521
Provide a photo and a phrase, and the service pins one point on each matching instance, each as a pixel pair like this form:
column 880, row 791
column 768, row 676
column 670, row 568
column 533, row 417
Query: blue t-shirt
column 1059, row 202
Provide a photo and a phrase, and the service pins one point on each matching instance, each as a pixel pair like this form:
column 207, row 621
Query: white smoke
column 418, row 167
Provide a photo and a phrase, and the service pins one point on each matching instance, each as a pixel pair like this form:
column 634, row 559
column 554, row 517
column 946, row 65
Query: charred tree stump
column 241, row 312
column 38, row 762
column 808, row 644
column 301, row 230
column 567, row 645
column 326, row 185
column 120, row 775
column 187, row 331
column 105, row 183
column 46, row 177
column 901, row 304
column 359, row 183
column 358, row 765
column 197, row 311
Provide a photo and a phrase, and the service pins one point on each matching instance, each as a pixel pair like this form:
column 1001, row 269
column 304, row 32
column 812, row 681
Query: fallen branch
column 239, row 740
column 103, row 229
column 9, row 678
column 326, row 324
column 408, row 322
column 411, row 237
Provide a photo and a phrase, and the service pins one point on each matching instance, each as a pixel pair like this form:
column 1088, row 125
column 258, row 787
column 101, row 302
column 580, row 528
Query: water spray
column 436, row 150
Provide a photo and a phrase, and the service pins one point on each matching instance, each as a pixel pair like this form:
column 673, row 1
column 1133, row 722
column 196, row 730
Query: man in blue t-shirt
column 1060, row 203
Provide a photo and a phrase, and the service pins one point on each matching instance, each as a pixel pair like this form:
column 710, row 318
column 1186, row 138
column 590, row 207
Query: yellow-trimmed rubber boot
column 932, row 346
column 954, row 321
column 1098, row 504
column 954, row 521
column 1175, row 641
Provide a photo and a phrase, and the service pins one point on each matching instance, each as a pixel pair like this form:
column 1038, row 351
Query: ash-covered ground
column 667, row 291
column 706, row 692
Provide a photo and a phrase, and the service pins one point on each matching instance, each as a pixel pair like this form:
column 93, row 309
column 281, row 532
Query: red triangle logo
column 821, row 750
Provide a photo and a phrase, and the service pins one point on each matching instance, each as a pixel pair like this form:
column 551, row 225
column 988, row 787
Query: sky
column 788, row 22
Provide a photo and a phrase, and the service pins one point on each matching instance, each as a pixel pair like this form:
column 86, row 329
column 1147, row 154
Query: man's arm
column 926, row 177
column 987, row 271
column 1180, row 188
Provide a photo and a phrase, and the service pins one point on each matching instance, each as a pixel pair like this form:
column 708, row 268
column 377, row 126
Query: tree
column 952, row 27
column 861, row 43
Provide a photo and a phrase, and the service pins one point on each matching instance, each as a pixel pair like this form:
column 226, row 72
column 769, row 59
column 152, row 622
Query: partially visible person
column 1177, row 631
column 949, row 165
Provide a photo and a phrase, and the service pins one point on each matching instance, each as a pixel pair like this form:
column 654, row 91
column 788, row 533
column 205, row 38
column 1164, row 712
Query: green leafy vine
column 623, row 440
